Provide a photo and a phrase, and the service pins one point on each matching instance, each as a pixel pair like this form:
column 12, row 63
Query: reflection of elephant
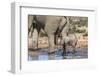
column 52, row 26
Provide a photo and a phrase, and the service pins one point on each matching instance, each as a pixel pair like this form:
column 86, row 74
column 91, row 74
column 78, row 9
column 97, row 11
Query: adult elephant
column 52, row 26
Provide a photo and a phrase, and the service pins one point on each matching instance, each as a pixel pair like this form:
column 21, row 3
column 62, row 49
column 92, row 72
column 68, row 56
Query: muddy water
column 42, row 54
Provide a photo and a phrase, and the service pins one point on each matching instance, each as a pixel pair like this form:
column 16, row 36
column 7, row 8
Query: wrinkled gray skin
column 52, row 26
column 68, row 35
column 69, row 38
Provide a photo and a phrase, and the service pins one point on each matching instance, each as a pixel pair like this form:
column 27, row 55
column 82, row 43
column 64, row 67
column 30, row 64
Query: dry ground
column 43, row 42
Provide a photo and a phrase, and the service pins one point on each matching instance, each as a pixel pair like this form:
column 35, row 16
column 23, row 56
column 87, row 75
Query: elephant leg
column 74, row 47
column 51, row 44
column 56, row 40
column 64, row 49
column 35, row 39
column 64, row 43
column 30, row 31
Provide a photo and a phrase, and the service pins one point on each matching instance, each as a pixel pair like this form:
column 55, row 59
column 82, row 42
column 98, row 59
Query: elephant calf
column 69, row 38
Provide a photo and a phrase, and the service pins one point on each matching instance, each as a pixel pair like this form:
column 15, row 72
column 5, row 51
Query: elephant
column 69, row 38
column 68, row 34
column 51, row 25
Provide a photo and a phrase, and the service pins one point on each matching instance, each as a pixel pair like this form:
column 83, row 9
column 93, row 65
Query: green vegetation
column 79, row 24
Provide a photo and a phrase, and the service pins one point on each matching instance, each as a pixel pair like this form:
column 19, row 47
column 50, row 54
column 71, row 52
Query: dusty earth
column 43, row 42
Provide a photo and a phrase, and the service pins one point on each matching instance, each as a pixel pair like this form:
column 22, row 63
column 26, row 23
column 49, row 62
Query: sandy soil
column 43, row 42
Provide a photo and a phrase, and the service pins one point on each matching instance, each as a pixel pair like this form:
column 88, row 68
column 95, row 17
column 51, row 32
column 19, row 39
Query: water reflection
column 43, row 57
column 42, row 54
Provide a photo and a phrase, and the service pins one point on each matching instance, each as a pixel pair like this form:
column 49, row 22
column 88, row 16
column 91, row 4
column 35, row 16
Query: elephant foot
column 74, row 52
column 53, row 52
column 35, row 48
column 64, row 53
column 64, row 57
